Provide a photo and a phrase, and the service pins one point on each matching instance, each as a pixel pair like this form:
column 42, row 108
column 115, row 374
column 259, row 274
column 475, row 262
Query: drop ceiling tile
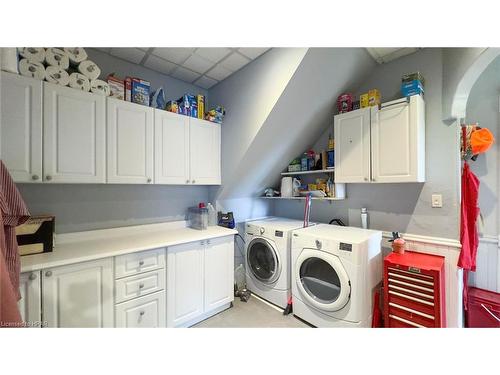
column 213, row 54
column 175, row 55
column 198, row 64
column 133, row 55
column 185, row 74
column 252, row 52
column 205, row 82
column 160, row 65
column 234, row 62
column 219, row 73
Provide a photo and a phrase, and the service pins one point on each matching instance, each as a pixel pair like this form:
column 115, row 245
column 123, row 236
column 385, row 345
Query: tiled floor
column 252, row 314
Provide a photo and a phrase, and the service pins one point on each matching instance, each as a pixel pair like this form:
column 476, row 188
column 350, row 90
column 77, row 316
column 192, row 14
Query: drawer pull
column 141, row 263
column 32, row 276
column 411, row 279
column 141, row 313
column 412, row 285
column 411, row 298
column 406, row 321
column 411, row 310
column 141, row 286
column 411, row 291
column 410, row 273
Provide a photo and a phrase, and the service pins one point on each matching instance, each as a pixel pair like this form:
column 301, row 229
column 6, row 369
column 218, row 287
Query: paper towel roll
column 33, row 54
column 32, row 69
column 54, row 74
column 98, row 86
column 89, row 69
column 9, row 60
column 79, row 81
column 76, row 54
column 57, row 57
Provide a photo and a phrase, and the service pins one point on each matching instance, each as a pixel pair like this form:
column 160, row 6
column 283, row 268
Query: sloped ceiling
column 301, row 114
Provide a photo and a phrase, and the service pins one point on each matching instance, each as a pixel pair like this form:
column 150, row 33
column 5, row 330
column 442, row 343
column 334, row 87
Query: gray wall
column 174, row 88
column 483, row 107
column 79, row 207
column 403, row 207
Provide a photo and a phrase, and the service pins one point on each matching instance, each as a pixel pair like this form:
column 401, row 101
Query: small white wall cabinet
column 79, row 295
column 21, row 127
column 382, row 146
column 171, row 148
column 205, row 157
column 200, row 280
column 74, row 135
column 30, row 304
column 130, row 142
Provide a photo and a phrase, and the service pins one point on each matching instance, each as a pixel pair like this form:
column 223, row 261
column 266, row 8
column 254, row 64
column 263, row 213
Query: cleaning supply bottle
column 212, row 215
column 364, row 218
column 330, row 153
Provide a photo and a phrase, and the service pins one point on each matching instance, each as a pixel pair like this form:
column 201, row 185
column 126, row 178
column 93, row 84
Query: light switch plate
column 437, row 200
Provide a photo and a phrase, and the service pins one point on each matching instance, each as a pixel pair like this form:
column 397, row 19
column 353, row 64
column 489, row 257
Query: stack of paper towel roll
column 62, row 66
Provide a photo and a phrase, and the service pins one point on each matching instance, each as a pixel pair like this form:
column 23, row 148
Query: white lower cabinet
column 200, row 279
column 79, row 295
column 143, row 312
column 30, row 304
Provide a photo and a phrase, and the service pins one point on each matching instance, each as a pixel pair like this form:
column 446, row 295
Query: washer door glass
column 262, row 260
column 322, row 280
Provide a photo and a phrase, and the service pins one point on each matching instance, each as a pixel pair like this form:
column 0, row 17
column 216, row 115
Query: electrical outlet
column 437, row 200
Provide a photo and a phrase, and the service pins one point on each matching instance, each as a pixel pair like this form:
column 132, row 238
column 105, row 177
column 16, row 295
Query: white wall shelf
column 331, row 170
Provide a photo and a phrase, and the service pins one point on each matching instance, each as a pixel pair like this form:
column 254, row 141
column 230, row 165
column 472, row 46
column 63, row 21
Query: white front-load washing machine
column 267, row 258
column 334, row 273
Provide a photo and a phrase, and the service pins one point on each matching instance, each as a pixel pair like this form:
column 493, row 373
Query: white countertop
column 91, row 245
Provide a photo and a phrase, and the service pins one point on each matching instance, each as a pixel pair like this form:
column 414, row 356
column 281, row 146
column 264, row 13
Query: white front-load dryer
column 334, row 273
column 267, row 258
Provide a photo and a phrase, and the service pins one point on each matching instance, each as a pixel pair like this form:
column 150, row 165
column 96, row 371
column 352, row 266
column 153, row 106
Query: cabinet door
column 79, row 295
column 184, row 283
column 143, row 312
column 352, row 146
column 21, row 127
column 205, row 154
column 130, row 142
column 171, row 148
column 74, row 135
column 219, row 272
column 30, row 304
column 398, row 142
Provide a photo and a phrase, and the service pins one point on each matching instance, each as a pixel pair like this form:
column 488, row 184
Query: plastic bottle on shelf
column 212, row 215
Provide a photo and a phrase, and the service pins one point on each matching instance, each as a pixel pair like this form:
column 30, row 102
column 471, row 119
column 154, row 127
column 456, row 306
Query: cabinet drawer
column 139, row 285
column 144, row 261
column 143, row 312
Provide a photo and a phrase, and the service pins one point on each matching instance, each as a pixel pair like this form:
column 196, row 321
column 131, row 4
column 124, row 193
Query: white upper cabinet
column 398, row 142
column 21, row 127
column 205, row 143
column 171, row 148
column 382, row 146
column 130, row 142
column 79, row 295
column 352, row 146
column 74, row 135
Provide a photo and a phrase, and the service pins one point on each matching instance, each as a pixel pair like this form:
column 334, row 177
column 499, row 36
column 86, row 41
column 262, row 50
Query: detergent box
column 140, row 91
column 363, row 100
column 172, row 106
column 200, row 101
column 414, row 87
column 373, row 97
column 188, row 105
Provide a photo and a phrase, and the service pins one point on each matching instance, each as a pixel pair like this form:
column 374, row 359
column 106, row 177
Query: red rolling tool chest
column 414, row 290
column 483, row 309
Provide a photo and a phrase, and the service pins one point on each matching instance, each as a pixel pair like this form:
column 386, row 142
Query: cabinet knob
column 149, row 180
column 202, row 242
column 48, row 177
column 193, row 181
column 141, row 263
column 208, row 242
column 141, row 313
column 187, row 181
column 32, row 276
column 366, row 178
column 35, row 177
column 141, row 286
column 48, row 273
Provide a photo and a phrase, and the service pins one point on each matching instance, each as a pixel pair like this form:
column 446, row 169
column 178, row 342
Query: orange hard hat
column 481, row 140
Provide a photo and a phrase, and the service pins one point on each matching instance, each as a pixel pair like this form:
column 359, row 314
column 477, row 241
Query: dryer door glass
column 262, row 260
column 320, row 280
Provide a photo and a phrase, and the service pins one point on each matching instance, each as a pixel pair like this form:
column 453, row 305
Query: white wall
column 403, row 207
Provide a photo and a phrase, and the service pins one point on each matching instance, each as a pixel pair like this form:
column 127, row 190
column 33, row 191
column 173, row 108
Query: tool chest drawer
column 414, row 294
column 135, row 263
